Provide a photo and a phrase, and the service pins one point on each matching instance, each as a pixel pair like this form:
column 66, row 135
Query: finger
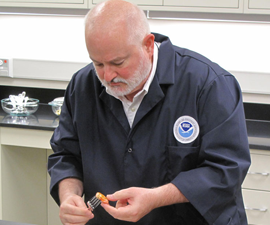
column 122, row 194
column 73, row 210
column 78, row 201
column 122, row 213
column 110, row 209
column 111, row 198
column 71, row 219
column 75, row 214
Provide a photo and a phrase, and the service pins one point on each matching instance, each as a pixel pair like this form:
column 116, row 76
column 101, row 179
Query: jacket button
column 130, row 150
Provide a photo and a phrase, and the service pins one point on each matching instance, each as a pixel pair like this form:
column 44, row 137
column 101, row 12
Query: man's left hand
column 132, row 203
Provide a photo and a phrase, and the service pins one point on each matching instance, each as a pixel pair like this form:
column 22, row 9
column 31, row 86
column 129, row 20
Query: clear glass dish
column 57, row 105
column 24, row 108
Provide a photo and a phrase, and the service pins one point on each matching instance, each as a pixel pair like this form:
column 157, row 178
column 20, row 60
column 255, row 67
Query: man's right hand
column 74, row 211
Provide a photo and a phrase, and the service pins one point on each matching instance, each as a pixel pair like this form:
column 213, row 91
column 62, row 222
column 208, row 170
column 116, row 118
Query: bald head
column 117, row 18
column 120, row 45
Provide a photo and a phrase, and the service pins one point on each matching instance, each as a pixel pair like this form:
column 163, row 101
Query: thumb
column 111, row 197
column 120, row 195
column 78, row 201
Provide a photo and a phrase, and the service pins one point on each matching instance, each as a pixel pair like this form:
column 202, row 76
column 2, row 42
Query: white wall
column 236, row 46
column 42, row 37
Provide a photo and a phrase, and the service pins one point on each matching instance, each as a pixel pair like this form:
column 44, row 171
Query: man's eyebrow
column 120, row 58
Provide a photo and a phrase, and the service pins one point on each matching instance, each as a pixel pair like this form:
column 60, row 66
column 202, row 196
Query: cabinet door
column 257, row 7
column 257, row 204
column 53, row 208
column 137, row 2
column 259, row 4
column 23, row 183
column 203, row 3
column 258, row 176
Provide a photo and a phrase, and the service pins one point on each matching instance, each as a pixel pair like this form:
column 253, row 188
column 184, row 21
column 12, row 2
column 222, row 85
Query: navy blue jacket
column 95, row 144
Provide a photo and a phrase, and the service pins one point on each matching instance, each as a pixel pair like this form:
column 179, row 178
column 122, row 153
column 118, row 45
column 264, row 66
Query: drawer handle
column 255, row 209
column 258, row 173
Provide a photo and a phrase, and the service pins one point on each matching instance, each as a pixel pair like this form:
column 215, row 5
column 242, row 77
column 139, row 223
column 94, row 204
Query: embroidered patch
column 186, row 129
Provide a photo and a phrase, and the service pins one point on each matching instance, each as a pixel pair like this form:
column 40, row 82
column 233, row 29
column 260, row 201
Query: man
column 157, row 128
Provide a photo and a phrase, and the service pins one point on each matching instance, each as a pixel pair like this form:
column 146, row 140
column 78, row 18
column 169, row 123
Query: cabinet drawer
column 137, row 2
column 258, row 176
column 257, row 204
column 259, row 4
column 203, row 3
column 45, row 3
column 25, row 137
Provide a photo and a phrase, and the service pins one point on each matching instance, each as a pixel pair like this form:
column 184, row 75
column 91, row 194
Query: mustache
column 117, row 80
column 114, row 80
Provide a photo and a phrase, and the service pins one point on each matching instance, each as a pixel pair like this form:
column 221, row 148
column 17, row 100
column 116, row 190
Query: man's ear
column 148, row 43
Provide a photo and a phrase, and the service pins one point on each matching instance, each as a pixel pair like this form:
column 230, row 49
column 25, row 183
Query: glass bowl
column 57, row 105
column 24, row 109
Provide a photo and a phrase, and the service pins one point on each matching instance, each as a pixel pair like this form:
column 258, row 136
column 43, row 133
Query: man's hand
column 72, row 207
column 74, row 211
column 134, row 203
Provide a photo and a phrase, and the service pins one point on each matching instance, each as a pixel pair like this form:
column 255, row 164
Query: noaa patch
column 186, row 129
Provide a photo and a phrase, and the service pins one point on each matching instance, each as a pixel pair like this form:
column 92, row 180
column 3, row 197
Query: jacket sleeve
column 65, row 162
column 214, row 186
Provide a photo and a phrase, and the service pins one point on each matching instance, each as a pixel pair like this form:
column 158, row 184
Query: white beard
column 132, row 82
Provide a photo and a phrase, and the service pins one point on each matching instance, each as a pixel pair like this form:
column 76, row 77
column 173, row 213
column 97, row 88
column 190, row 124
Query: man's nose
column 109, row 73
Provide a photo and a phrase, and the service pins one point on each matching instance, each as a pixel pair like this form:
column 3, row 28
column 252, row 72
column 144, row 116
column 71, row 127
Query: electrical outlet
column 6, row 67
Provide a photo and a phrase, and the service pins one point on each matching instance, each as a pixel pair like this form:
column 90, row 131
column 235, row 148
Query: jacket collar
column 166, row 60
